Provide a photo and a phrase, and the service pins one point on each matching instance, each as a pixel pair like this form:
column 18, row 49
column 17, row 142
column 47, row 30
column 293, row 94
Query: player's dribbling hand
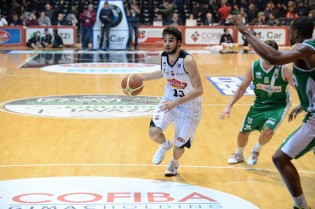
column 298, row 109
column 225, row 112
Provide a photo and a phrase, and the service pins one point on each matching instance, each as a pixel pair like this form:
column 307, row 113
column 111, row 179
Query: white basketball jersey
column 178, row 84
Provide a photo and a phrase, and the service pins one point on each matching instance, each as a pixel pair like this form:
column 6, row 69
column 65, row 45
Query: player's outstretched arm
column 266, row 52
column 151, row 76
column 238, row 94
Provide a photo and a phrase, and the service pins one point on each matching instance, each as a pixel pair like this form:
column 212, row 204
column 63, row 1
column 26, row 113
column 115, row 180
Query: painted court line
column 149, row 165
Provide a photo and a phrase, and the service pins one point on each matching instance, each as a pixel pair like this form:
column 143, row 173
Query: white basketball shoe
column 160, row 153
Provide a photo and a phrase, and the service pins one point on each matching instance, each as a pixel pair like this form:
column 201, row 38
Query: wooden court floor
column 34, row 147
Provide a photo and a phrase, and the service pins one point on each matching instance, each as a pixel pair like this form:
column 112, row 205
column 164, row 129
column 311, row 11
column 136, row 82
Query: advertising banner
column 150, row 35
column 205, row 35
column 68, row 34
column 278, row 34
column 119, row 31
column 11, row 36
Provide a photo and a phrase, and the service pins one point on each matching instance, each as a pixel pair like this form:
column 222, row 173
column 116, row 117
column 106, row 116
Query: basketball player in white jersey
column 181, row 102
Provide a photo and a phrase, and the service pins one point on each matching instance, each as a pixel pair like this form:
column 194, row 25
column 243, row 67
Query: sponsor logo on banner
column 117, row 15
column 228, row 85
column 279, row 35
column 84, row 106
column 203, row 36
column 150, row 35
column 102, row 68
column 66, row 33
column 111, row 193
column 4, row 36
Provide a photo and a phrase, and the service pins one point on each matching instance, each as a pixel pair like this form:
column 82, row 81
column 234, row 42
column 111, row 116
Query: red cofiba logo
column 195, row 36
column 110, row 197
column 4, row 36
column 94, row 192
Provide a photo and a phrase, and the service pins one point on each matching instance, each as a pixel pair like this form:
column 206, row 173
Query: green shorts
column 260, row 116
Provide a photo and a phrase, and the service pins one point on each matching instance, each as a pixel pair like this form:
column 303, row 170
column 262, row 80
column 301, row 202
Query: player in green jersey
column 271, row 104
column 302, row 54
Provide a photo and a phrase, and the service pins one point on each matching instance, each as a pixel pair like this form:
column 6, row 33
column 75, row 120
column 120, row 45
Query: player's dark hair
column 173, row 31
column 272, row 43
column 304, row 25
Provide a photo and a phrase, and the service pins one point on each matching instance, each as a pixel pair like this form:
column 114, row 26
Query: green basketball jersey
column 270, row 85
column 305, row 83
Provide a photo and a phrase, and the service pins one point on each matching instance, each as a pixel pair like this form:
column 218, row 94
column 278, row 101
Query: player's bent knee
column 280, row 159
column 268, row 132
column 154, row 132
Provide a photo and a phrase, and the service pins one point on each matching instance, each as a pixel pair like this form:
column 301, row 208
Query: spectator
column 252, row 12
column 43, row 20
column 167, row 13
column 209, row 21
column 260, row 20
column 3, row 21
column 226, row 39
column 32, row 20
column 71, row 19
column 291, row 14
column 57, row 41
column 72, row 16
column 106, row 17
column 235, row 10
column 50, row 12
column 15, row 20
column 176, row 21
column 272, row 21
column 87, row 19
column 60, row 20
column 46, row 39
column 242, row 18
column 133, row 12
column 191, row 21
column 35, row 41
column 158, row 21
column 268, row 10
column 301, row 9
column 224, row 12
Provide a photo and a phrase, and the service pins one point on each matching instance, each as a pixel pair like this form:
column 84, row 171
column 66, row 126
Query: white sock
column 257, row 147
column 240, row 151
column 175, row 161
column 166, row 144
column 300, row 201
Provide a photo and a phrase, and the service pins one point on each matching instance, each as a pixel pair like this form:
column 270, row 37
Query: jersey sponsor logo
column 180, row 139
column 229, row 85
column 94, row 192
column 177, row 84
column 271, row 122
column 269, row 88
column 258, row 75
column 84, row 106
column 248, row 127
column 4, row 36
column 102, row 68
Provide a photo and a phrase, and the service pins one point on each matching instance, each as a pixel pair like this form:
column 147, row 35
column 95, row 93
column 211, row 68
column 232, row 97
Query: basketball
column 132, row 85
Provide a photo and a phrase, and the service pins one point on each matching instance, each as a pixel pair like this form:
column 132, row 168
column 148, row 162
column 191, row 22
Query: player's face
column 170, row 44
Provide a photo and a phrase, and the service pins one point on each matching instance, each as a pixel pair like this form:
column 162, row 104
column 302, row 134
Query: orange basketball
column 132, row 85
